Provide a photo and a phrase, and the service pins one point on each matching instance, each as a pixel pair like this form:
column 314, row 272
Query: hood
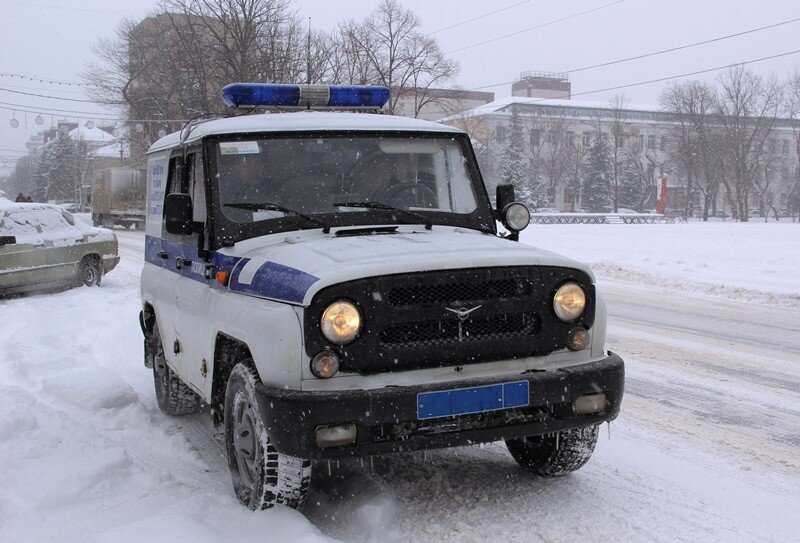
column 294, row 268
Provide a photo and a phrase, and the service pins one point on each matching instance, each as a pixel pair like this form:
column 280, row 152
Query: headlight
column 516, row 217
column 569, row 301
column 340, row 322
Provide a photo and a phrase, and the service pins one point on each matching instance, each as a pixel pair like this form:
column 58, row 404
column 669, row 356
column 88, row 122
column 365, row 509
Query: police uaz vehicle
column 333, row 284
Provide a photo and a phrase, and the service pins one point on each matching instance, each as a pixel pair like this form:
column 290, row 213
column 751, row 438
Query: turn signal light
column 223, row 276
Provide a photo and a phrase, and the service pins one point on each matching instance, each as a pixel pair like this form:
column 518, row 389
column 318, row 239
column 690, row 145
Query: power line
column 83, row 114
column 57, row 97
column 47, row 110
column 43, row 80
column 680, row 47
column 479, row 17
column 548, row 23
column 26, row 87
column 654, row 53
column 45, row 6
column 661, row 79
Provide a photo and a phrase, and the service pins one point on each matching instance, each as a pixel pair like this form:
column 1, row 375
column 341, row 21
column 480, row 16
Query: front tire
column 174, row 397
column 552, row 456
column 262, row 477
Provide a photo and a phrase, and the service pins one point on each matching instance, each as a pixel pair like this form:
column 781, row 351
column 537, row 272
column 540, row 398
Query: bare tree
column 387, row 48
column 791, row 109
column 747, row 108
column 618, row 126
column 170, row 67
column 554, row 156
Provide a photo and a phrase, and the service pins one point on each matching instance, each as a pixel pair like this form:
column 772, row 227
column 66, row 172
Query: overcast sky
column 43, row 39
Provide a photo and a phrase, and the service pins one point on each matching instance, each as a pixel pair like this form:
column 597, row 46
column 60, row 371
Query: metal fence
column 603, row 218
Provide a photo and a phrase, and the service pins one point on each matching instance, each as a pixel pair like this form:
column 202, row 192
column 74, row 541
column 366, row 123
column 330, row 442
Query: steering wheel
column 408, row 194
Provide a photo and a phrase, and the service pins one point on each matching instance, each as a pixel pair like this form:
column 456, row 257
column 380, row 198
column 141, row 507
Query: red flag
column 661, row 204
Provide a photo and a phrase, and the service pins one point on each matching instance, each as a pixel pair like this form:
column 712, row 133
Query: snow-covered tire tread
column 283, row 479
column 553, row 457
column 175, row 398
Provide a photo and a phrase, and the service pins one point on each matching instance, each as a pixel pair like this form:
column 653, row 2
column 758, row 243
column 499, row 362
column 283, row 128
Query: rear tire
column 90, row 271
column 262, row 477
column 551, row 457
column 174, row 397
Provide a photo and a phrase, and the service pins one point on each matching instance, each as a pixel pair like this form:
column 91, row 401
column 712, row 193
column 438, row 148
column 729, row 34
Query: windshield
column 310, row 174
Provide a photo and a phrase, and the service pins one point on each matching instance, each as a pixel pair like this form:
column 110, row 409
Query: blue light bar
column 317, row 96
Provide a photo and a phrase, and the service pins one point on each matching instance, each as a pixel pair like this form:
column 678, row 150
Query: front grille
column 458, row 292
column 412, row 320
column 418, row 335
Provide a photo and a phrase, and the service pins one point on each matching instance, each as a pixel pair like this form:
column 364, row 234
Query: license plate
column 463, row 401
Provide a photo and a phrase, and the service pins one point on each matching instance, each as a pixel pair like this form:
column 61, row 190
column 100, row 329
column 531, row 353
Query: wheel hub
column 245, row 442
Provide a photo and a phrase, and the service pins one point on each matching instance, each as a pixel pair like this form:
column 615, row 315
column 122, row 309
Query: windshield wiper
column 378, row 205
column 269, row 206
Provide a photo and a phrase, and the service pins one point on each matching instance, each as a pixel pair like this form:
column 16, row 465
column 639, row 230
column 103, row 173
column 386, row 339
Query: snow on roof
column 304, row 121
column 94, row 135
column 8, row 205
column 112, row 151
column 502, row 103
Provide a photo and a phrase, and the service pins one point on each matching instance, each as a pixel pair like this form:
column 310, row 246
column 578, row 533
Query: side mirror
column 178, row 214
column 7, row 240
column 515, row 216
column 504, row 196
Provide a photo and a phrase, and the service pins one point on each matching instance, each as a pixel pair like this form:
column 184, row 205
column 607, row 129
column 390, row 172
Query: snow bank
column 85, row 454
column 747, row 261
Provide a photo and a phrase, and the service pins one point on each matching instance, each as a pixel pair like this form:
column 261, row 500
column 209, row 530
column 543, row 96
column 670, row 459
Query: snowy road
column 705, row 447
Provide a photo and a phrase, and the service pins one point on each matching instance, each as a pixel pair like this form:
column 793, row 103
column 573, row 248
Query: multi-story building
column 557, row 134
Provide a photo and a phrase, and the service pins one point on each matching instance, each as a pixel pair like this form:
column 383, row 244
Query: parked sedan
column 43, row 247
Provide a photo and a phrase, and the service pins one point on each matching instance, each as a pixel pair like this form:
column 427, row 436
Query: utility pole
column 308, row 53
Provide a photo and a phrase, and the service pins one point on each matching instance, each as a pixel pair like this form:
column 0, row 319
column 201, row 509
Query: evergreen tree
column 597, row 175
column 538, row 186
column 632, row 186
column 513, row 170
column 58, row 170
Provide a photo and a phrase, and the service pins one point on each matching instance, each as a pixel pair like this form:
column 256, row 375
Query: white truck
column 118, row 198
column 333, row 284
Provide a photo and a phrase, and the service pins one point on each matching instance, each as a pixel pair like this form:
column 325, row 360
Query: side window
column 177, row 181
column 197, row 180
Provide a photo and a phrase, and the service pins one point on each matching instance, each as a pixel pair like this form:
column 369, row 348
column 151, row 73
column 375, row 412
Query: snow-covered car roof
column 302, row 121
column 8, row 205
column 37, row 223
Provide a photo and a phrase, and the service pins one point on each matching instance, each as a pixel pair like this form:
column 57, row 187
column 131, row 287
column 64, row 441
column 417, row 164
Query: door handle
column 163, row 255
column 181, row 262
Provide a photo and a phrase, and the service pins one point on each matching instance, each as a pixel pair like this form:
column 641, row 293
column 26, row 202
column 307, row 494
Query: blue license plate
column 463, row 401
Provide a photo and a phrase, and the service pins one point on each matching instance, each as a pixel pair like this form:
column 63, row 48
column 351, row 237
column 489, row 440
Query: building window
column 641, row 141
column 500, row 134
column 651, row 142
column 551, row 137
column 785, row 147
column 620, row 141
column 663, row 143
column 571, row 138
column 587, row 139
column 535, row 133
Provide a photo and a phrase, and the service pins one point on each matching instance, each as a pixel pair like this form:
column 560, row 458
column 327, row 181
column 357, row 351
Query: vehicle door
column 69, row 245
column 193, row 291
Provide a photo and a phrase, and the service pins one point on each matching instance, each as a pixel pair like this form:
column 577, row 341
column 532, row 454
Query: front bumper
column 386, row 419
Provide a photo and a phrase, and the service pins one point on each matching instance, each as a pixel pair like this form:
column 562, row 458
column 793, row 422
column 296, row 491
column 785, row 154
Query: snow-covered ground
column 754, row 261
column 706, row 317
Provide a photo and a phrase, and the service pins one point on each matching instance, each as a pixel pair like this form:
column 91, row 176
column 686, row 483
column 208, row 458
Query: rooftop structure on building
column 537, row 84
